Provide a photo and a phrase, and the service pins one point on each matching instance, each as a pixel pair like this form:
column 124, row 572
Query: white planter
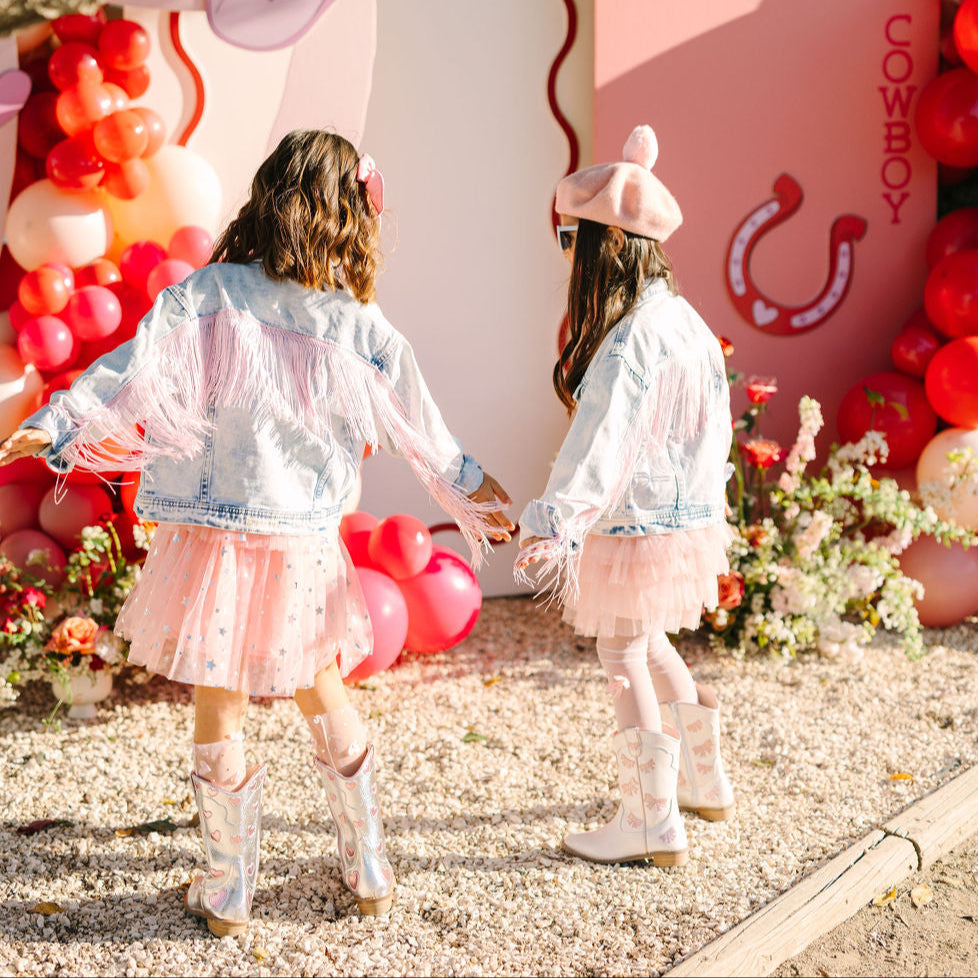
column 84, row 690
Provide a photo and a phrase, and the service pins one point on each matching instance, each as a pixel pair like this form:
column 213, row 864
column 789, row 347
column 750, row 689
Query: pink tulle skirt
column 659, row 582
column 259, row 613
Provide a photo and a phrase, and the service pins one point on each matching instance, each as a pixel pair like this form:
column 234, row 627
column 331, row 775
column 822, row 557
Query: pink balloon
column 18, row 506
column 171, row 271
column 443, row 602
column 138, row 260
column 80, row 506
column 93, row 312
column 46, row 342
column 192, row 245
column 950, row 579
column 22, row 546
column 400, row 546
column 388, row 620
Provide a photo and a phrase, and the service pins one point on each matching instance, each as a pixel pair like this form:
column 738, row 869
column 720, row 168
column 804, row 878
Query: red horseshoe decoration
column 757, row 308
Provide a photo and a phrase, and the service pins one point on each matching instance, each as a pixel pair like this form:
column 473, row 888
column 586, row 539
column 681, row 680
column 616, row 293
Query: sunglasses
column 565, row 236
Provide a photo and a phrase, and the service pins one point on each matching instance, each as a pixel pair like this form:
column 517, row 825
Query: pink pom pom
column 641, row 147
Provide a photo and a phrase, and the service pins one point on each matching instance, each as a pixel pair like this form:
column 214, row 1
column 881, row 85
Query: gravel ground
column 488, row 754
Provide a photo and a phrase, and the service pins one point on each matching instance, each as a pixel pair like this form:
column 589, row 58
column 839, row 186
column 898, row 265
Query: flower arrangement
column 813, row 564
column 51, row 631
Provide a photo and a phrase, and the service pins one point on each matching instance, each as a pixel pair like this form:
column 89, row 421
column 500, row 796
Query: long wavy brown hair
column 605, row 283
column 308, row 218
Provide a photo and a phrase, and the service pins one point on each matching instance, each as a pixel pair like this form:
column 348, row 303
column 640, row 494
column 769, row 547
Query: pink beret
column 625, row 194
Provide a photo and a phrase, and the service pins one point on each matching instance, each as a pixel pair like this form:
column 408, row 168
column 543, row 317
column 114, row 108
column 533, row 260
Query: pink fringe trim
column 232, row 360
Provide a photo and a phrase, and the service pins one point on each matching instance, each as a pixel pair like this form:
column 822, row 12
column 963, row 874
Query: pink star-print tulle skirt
column 660, row 582
column 259, row 613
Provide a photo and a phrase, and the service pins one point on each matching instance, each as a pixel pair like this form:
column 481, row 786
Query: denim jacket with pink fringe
column 648, row 447
column 247, row 404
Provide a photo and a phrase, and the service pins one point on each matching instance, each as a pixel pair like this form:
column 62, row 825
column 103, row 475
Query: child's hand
column 489, row 492
column 23, row 443
column 526, row 556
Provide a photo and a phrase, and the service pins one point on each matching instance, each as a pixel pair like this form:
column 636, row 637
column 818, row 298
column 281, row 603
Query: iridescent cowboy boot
column 360, row 834
column 230, row 822
column 703, row 786
column 647, row 824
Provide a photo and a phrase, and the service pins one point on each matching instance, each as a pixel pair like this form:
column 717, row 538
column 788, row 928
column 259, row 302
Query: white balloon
column 183, row 189
column 955, row 480
column 46, row 223
column 20, row 385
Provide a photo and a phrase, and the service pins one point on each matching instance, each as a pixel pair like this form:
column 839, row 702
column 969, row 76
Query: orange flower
column 731, row 590
column 726, row 347
column 755, row 535
column 73, row 635
column 762, row 453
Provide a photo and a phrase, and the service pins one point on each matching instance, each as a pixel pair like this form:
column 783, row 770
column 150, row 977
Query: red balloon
column 80, row 506
column 123, row 44
column 74, row 63
column 46, row 342
column 951, row 382
column 914, row 347
column 154, row 126
column 59, row 382
column 18, row 505
column 388, row 621
column 10, row 277
column 894, row 405
column 192, row 245
column 26, row 470
column 443, row 602
column 124, row 524
column 93, row 313
column 135, row 304
column 79, row 27
column 133, row 82
column 400, row 546
column 171, row 271
column 38, row 129
column 74, row 164
column 45, row 290
column 120, row 100
column 950, row 579
column 128, row 488
column 121, row 136
column 99, row 272
column 946, row 117
column 79, row 108
column 355, row 529
column 965, row 33
column 18, row 315
column 126, row 180
column 956, row 231
column 138, row 260
column 35, row 553
column 951, row 294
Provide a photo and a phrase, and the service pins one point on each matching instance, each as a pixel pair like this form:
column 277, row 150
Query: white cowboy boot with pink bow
column 647, row 824
column 230, row 823
column 703, row 786
column 360, row 834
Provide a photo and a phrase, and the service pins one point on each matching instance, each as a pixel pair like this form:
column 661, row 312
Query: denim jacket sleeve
column 594, row 463
column 84, row 405
column 400, row 367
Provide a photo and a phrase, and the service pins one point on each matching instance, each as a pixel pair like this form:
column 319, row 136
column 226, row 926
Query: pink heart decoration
column 216, row 835
column 15, row 86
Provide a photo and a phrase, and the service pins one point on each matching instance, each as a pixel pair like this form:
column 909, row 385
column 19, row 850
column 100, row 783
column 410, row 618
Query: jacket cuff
column 539, row 519
column 61, row 436
column 470, row 475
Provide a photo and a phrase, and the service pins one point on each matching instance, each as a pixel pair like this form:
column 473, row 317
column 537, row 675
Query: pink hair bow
column 373, row 182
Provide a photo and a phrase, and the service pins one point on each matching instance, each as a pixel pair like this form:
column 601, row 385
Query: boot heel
column 713, row 814
column 376, row 908
column 225, row 928
column 670, row 858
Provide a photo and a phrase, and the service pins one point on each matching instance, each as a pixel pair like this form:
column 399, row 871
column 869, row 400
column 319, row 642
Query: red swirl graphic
column 198, row 81
column 562, row 120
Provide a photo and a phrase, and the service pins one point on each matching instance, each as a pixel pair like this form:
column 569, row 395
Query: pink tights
column 644, row 671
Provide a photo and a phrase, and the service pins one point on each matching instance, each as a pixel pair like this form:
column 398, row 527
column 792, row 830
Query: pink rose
column 72, row 635
column 762, row 453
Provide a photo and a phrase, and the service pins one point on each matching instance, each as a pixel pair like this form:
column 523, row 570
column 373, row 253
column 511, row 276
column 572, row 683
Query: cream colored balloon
column 183, row 189
column 20, row 387
column 934, row 466
column 45, row 223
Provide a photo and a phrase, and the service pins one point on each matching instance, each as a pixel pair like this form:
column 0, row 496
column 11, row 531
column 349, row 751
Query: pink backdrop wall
column 742, row 91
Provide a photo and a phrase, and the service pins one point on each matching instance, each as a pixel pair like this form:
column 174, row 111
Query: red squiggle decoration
column 195, row 76
column 562, row 120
